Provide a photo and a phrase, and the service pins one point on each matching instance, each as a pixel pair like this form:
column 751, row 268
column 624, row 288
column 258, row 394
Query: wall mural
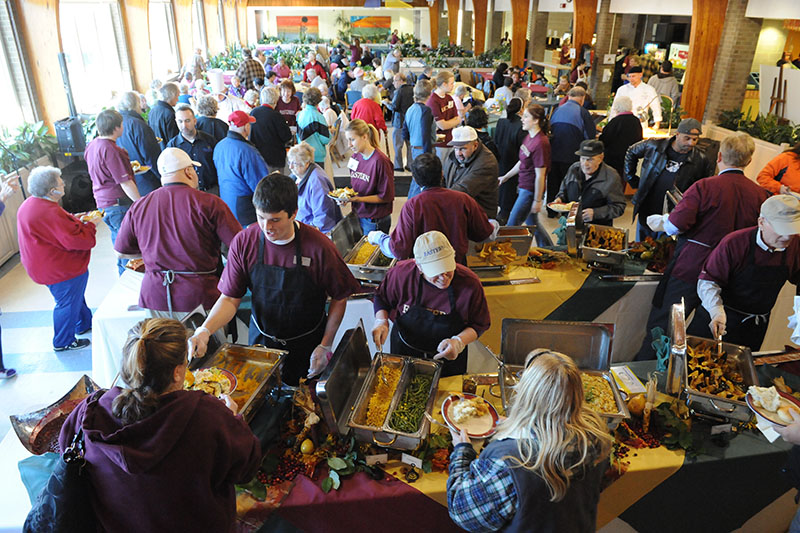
column 371, row 28
column 301, row 28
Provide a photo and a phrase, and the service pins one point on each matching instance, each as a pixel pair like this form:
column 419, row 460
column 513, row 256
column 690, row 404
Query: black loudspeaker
column 69, row 134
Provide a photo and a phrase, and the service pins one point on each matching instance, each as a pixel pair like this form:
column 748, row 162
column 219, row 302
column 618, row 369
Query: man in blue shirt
column 239, row 167
column 419, row 128
column 198, row 144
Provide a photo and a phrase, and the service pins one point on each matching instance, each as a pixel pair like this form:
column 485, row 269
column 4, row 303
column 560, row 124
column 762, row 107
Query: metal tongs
column 720, row 353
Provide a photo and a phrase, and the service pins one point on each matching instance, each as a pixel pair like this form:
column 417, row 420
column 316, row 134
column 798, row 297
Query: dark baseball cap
column 590, row 148
column 689, row 125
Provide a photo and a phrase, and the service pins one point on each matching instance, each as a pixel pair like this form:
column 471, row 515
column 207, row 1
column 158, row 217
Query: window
column 163, row 39
column 221, row 14
column 199, row 39
column 97, row 56
column 15, row 87
column 236, row 21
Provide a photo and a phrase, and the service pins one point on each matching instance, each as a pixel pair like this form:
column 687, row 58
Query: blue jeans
column 382, row 224
column 413, row 189
column 522, row 208
column 113, row 218
column 71, row 315
column 397, row 140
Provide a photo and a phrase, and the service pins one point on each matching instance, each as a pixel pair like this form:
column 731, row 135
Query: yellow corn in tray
column 363, row 254
column 598, row 394
column 382, row 395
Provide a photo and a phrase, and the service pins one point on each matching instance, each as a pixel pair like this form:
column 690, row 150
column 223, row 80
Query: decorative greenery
column 29, row 143
column 677, row 433
column 344, row 28
column 495, row 56
column 767, row 128
column 409, row 45
column 294, row 56
column 433, row 59
column 676, row 116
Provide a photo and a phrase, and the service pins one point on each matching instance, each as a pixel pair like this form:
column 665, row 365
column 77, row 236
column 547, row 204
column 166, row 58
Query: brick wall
column 734, row 59
column 607, row 30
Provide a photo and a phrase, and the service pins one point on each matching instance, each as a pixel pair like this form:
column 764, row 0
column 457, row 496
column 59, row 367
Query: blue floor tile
column 69, row 361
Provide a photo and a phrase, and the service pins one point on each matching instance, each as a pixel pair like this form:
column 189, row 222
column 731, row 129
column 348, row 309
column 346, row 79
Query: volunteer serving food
column 437, row 306
column 291, row 269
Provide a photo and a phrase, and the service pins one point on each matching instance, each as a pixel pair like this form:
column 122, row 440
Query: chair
column 350, row 98
column 488, row 88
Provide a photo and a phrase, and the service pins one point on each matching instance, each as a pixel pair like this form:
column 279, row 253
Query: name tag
column 304, row 261
column 525, row 150
column 352, row 164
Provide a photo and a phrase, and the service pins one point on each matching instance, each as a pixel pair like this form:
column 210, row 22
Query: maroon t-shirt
column 454, row 213
column 710, row 209
column 109, row 165
column 178, row 228
column 289, row 111
column 443, row 109
column 398, row 292
column 534, row 153
column 731, row 256
column 319, row 255
column 372, row 176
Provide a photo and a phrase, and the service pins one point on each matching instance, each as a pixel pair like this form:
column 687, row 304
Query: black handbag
column 63, row 506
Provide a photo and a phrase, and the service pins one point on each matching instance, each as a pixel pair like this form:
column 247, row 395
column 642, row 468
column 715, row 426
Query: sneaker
column 7, row 373
column 77, row 344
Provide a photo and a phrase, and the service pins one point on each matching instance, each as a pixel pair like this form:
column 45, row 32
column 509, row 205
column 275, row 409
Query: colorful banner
column 297, row 27
column 371, row 28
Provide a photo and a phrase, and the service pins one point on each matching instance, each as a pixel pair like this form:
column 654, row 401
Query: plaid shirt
column 480, row 493
column 249, row 70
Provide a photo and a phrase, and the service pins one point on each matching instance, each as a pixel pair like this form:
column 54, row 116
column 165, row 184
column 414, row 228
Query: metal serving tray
column 254, row 365
column 414, row 367
column 346, row 233
column 358, row 415
column 600, row 255
column 340, row 383
column 365, row 271
column 520, row 238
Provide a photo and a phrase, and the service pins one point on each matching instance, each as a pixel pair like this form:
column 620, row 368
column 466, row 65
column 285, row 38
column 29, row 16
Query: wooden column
column 433, row 12
column 452, row 21
column 708, row 17
column 583, row 21
column 519, row 30
column 183, row 27
column 480, row 8
column 241, row 12
column 135, row 15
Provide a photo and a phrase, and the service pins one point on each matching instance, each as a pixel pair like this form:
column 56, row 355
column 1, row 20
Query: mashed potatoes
column 465, row 409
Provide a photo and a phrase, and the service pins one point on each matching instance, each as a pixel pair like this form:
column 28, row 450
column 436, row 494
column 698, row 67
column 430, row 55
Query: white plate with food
column 774, row 406
column 342, row 193
column 470, row 412
column 558, row 207
column 214, row 381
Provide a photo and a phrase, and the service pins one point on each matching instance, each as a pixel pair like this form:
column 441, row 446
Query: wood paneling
column 213, row 33
column 519, row 30
column 135, row 19
column 241, row 12
column 433, row 13
column 324, row 3
column 183, row 27
column 583, row 21
column 230, row 21
column 480, row 9
column 452, row 21
column 708, row 17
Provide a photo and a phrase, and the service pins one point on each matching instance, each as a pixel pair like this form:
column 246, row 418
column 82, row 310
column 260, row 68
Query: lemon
column 306, row 447
column 636, row 404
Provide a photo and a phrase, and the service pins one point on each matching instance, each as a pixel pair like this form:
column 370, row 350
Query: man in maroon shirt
column 444, row 110
column 55, row 248
column 438, row 307
column 291, row 269
column 710, row 209
column 454, row 213
column 177, row 230
column 113, row 182
column 743, row 276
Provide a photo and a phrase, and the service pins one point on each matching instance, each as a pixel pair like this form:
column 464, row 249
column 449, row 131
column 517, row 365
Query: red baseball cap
column 240, row 118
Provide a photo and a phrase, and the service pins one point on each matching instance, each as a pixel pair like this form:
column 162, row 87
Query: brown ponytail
column 538, row 114
column 154, row 348
column 361, row 128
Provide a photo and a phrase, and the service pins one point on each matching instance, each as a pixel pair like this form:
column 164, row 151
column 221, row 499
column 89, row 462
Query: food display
column 606, row 239
column 363, row 254
column 385, row 384
column 408, row 414
column 712, row 374
column 343, row 193
column 776, row 406
column 135, row 165
column 561, row 208
column 471, row 413
column 598, row 394
column 214, row 381
column 381, row 260
column 657, row 253
column 497, row 253
column 466, row 408
column 547, row 259
column 137, row 265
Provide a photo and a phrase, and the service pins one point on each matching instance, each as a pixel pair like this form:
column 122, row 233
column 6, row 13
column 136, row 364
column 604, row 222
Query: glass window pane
column 163, row 46
column 11, row 117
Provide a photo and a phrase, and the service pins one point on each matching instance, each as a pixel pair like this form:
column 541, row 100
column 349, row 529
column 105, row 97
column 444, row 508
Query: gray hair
column 270, row 96
column 168, row 91
column 577, row 92
column 369, row 91
column 622, row 104
column 251, row 97
column 461, row 90
column 312, row 96
column 41, row 180
column 311, row 73
column 208, row 106
column 130, row 101
column 302, row 153
column 422, row 90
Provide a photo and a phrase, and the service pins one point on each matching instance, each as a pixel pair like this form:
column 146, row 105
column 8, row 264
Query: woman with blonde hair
column 543, row 468
column 371, row 176
column 153, row 445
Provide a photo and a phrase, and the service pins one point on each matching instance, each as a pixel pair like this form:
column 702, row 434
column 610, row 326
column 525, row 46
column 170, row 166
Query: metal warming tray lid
column 589, row 344
column 340, row 383
column 346, row 233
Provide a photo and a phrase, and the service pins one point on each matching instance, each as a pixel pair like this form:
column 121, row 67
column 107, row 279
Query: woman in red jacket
column 368, row 109
column 54, row 248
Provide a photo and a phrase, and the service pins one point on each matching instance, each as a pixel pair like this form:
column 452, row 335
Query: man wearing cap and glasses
column 239, row 167
column 472, row 168
column 177, row 230
column 668, row 165
column 438, row 307
column 594, row 184
column 742, row 277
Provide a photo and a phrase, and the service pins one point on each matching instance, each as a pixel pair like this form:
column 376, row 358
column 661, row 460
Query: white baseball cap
column 434, row 254
column 463, row 135
column 174, row 159
column 782, row 211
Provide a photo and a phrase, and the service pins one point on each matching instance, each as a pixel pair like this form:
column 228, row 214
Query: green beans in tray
column 382, row 260
column 409, row 412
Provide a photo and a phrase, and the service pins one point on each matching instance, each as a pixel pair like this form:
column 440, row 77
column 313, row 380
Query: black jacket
column 403, row 99
column 508, row 137
column 488, row 142
column 652, row 152
column 214, row 127
column 140, row 142
column 620, row 133
column 269, row 134
column 602, row 193
column 162, row 120
column 202, row 151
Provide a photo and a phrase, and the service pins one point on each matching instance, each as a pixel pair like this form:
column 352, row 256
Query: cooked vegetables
column 378, row 404
column 606, row 238
column 598, row 394
column 409, row 412
column 363, row 254
column 498, row 253
column 382, row 261
column 712, row 375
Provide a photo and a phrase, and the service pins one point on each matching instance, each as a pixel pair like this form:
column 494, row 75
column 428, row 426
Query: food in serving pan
column 211, row 380
column 363, row 254
column 382, row 260
column 497, row 253
column 605, row 239
column 378, row 404
column 137, row 265
column 466, row 408
column 714, row 375
column 135, row 165
column 598, row 394
column 97, row 213
column 768, row 399
column 343, row 193
column 408, row 414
